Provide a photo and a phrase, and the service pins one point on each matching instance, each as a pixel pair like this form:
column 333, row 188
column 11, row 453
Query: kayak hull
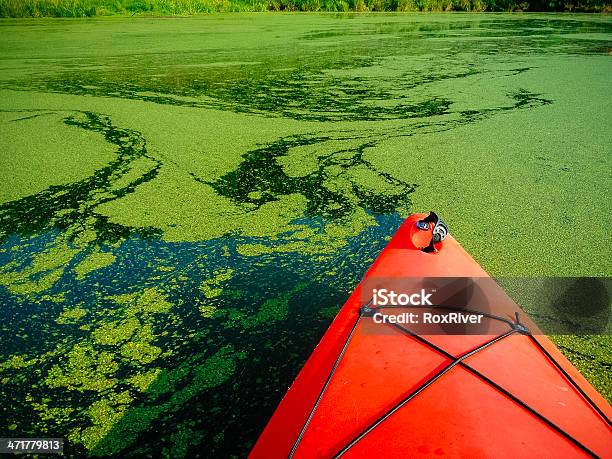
column 363, row 393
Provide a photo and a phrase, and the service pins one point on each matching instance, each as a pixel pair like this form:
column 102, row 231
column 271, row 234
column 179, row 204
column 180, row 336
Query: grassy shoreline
column 92, row 8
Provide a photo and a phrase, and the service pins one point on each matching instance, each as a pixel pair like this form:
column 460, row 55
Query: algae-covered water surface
column 187, row 202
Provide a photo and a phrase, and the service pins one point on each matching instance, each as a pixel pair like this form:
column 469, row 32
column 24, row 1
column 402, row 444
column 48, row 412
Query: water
column 188, row 202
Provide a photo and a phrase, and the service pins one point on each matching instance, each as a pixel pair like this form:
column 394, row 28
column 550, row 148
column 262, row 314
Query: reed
column 90, row 8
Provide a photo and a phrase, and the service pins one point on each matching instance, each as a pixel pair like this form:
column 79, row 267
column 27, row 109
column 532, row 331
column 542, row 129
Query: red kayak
column 436, row 372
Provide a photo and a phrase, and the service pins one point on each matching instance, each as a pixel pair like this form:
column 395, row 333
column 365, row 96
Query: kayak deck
column 372, row 389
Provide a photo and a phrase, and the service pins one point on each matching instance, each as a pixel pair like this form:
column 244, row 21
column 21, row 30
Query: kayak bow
column 374, row 389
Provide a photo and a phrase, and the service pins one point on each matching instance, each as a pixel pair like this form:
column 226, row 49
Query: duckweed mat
column 186, row 203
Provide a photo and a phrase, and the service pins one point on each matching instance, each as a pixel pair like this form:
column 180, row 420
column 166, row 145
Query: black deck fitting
column 519, row 327
column 367, row 311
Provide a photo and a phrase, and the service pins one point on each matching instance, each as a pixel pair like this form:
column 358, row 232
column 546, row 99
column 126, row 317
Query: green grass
column 91, row 8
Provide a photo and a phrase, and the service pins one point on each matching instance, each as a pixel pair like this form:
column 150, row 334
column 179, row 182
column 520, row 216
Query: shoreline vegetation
column 92, row 8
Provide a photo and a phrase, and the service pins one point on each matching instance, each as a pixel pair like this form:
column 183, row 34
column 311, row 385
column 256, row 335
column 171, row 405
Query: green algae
column 123, row 343
column 32, row 163
column 328, row 191
column 329, row 312
column 269, row 312
column 140, row 352
column 591, row 355
column 138, row 168
column 182, row 438
column 284, row 159
column 210, row 287
column 17, row 361
column 149, row 301
column 44, row 270
column 70, row 206
column 92, row 262
column 253, row 250
column 215, row 370
column 57, row 415
column 142, row 381
column 183, row 209
column 91, row 369
column 104, row 415
column 86, row 370
column 207, row 311
column 71, row 315
column 115, row 332
column 304, row 240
